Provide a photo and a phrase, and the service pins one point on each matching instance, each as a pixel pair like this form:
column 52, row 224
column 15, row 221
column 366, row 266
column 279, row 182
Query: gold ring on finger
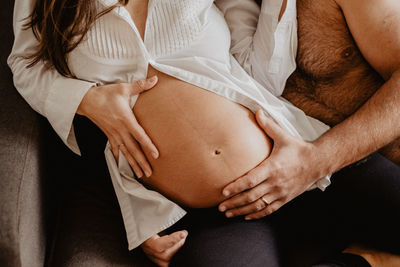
column 265, row 201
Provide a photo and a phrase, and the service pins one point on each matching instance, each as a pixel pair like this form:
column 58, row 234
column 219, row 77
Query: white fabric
column 247, row 63
column 49, row 93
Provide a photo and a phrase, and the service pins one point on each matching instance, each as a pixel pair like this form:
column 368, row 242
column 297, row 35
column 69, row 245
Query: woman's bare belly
column 205, row 141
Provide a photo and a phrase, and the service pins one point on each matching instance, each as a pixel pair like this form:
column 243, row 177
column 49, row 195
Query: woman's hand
column 293, row 166
column 108, row 107
column 161, row 249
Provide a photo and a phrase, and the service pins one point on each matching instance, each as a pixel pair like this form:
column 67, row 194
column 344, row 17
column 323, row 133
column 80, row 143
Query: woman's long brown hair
column 59, row 26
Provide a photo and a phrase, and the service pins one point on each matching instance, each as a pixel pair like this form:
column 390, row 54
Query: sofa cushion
column 90, row 229
column 22, row 240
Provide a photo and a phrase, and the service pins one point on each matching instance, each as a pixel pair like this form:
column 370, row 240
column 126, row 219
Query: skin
column 374, row 258
column 197, row 156
column 369, row 131
column 108, row 107
column 272, row 178
column 160, row 250
column 359, row 44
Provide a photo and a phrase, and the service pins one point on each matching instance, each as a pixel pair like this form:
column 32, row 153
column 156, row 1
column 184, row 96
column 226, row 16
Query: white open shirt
column 237, row 50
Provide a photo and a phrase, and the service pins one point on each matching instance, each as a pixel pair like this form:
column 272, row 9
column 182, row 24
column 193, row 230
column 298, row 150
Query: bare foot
column 374, row 257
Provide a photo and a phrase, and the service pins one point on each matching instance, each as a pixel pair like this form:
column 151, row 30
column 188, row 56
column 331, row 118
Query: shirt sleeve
column 47, row 92
column 265, row 47
column 145, row 212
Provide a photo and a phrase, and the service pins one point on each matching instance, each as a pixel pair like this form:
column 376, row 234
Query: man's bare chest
column 332, row 78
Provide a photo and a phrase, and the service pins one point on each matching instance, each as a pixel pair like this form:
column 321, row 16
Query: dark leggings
column 361, row 206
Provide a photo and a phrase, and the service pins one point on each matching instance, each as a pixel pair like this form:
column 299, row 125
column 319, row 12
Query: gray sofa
column 55, row 211
column 22, row 233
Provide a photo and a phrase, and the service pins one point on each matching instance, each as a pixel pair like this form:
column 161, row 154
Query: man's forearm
column 373, row 126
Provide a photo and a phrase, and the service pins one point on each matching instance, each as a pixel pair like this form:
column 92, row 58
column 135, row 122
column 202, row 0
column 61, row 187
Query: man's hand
column 291, row 169
column 108, row 106
column 160, row 250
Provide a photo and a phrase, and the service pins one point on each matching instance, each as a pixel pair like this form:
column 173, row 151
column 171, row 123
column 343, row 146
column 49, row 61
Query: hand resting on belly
column 205, row 141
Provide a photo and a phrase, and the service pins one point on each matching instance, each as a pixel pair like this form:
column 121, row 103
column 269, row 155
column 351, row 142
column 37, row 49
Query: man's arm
column 375, row 26
column 294, row 164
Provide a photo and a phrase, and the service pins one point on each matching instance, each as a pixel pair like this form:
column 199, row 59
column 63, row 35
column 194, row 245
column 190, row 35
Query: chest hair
column 332, row 79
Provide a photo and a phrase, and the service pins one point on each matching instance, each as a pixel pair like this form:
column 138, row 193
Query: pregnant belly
column 205, row 141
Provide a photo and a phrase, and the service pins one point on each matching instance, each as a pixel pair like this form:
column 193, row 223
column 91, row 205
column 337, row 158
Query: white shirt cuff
column 61, row 105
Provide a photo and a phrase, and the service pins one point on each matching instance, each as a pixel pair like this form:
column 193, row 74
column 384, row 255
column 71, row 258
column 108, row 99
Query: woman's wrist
column 81, row 110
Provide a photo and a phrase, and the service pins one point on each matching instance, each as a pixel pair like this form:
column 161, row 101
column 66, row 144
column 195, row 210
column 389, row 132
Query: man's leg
column 361, row 206
column 369, row 195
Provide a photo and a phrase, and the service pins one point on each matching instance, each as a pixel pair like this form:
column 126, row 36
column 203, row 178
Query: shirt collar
column 108, row 3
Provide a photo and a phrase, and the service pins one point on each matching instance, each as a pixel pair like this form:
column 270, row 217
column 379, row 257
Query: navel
column 217, row 152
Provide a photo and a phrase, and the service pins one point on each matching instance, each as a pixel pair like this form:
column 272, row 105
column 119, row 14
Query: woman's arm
column 263, row 41
column 49, row 93
column 59, row 98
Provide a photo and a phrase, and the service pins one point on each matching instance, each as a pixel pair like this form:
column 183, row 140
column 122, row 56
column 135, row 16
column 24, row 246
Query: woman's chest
column 127, row 39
